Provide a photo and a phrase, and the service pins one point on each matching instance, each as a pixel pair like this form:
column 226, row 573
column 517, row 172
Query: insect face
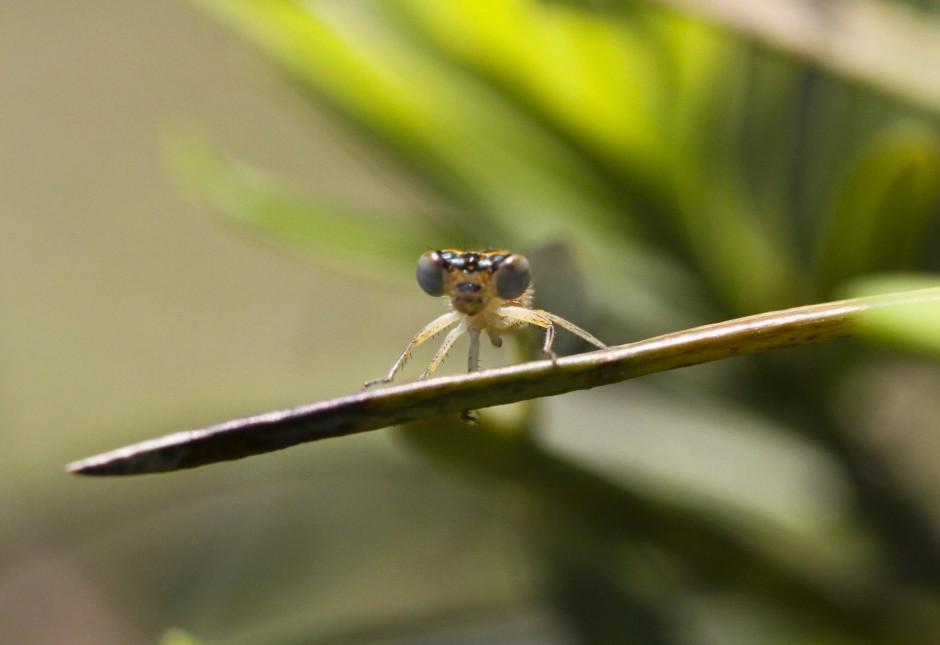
column 472, row 280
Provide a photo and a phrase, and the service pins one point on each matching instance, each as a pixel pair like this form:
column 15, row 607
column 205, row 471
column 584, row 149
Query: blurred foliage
column 178, row 637
column 916, row 334
column 696, row 176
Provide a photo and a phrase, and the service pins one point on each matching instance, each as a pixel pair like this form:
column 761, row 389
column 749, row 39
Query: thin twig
column 451, row 394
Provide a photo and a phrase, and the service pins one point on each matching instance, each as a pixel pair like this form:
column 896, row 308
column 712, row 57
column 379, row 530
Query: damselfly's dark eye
column 431, row 273
column 512, row 277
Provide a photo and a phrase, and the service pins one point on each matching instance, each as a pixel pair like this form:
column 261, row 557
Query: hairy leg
column 449, row 341
column 434, row 327
column 545, row 319
column 534, row 317
column 574, row 329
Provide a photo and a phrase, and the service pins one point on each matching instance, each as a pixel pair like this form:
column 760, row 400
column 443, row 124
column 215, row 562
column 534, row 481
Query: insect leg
column 574, row 329
column 434, row 327
column 473, row 364
column 549, row 339
column 534, row 317
column 449, row 341
column 473, row 360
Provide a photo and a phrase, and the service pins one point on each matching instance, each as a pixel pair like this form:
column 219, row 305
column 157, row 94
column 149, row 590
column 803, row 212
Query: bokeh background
column 200, row 221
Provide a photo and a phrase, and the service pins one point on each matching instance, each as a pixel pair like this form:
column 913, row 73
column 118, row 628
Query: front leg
column 434, row 327
column 449, row 341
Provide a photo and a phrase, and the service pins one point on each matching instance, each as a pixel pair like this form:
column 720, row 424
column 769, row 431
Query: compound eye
column 512, row 277
column 431, row 273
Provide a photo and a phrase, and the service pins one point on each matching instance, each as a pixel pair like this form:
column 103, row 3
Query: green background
column 130, row 309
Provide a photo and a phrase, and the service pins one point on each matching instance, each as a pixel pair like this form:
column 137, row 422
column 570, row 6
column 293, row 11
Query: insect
column 486, row 291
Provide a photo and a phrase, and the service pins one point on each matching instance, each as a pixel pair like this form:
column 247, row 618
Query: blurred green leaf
column 882, row 210
column 913, row 329
column 700, row 542
column 509, row 179
column 599, row 80
column 744, row 255
column 586, row 581
column 748, row 268
column 882, row 44
column 178, row 637
column 351, row 239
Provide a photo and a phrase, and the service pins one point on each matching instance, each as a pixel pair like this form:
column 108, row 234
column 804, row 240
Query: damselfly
column 486, row 291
